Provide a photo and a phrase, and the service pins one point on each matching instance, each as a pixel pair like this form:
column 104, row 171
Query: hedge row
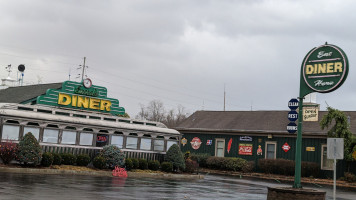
column 287, row 167
column 49, row 159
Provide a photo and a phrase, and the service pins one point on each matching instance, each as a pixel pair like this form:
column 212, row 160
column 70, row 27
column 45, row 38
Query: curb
column 100, row 173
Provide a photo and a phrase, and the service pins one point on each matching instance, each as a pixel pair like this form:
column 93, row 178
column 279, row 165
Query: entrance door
column 219, row 147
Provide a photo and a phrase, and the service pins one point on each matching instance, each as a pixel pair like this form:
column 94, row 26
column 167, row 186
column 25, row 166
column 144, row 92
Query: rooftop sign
column 81, row 96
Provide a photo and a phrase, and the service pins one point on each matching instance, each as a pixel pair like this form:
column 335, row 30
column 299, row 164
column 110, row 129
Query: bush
column 83, row 160
column 135, row 163
column 47, row 159
column 310, row 169
column 349, row 177
column 201, row 158
column 233, row 164
column 8, row 151
column 175, row 156
column 113, row 156
column 57, row 159
column 153, row 165
column 287, row 167
column 214, row 162
column 68, row 159
column 99, row 162
column 167, row 167
column 248, row 167
column 143, row 164
column 191, row 166
column 29, row 150
column 128, row 164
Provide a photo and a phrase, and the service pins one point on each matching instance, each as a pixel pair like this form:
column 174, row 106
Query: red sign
column 245, row 149
column 286, row 147
column 196, row 142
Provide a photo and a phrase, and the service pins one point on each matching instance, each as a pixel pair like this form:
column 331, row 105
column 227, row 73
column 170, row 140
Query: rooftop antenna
column 83, row 67
column 69, row 74
column 8, row 69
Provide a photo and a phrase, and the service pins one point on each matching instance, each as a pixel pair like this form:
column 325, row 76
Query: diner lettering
column 84, row 102
column 324, row 68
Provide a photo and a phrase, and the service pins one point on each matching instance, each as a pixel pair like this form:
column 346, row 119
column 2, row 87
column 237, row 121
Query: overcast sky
column 180, row 52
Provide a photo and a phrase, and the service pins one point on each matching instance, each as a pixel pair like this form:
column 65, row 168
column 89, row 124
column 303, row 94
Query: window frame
column 50, row 128
column 275, row 149
column 18, row 133
column 216, row 146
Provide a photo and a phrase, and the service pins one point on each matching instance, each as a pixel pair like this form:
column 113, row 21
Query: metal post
column 83, row 69
column 298, row 152
column 334, row 192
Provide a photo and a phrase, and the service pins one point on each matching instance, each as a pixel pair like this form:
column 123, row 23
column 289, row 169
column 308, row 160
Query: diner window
column 117, row 140
column 271, row 148
column 326, row 164
column 69, row 137
column 158, row 145
column 146, row 143
column 10, row 132
column 35, row 131
column 219, row 147
column 86, row 139
column 131, row 143
column 50, row 135
column 170, row 143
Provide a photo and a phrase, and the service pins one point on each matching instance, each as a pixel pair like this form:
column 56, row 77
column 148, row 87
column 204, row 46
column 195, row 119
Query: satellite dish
column 21, row 68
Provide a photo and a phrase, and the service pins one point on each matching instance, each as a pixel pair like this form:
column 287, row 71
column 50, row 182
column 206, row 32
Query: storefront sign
column 325, row 68
column 310, row 148
column 246, row 138
column 184, row 141
column 286, row 147
column 293, row 104
column 245, row 149
column 79, row 96
column 229, row 145
column 196, row 142
column 292, row 115
column 292, row 127
column 310, row 114
column 209, row 142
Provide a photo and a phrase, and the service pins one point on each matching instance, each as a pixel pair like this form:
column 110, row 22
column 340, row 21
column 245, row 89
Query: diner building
column 79, row 118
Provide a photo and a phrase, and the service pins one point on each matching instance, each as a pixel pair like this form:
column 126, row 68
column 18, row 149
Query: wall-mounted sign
column 310, row 148
column 184, row 141
column 286, row 147
column 310, row 113
column 229, row 145
column 246, row 138
column 196, row 142
column 325, row 68
column 209, row 142
column 259, row 150
column 77, row 96
column 102, row 140
column 245, row 149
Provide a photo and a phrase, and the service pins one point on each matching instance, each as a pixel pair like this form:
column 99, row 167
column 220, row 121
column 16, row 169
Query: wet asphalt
column 43, row 187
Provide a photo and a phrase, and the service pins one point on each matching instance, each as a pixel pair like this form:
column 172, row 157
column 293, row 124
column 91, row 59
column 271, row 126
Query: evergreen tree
column 175, row 156
column 113, row 156
column 29, row 150
column 339, row 129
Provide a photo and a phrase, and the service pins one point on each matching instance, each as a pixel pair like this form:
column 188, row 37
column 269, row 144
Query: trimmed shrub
column 47, row 159
column 309, row 169
column 214, row 162
column 83, row 160
column 167, row 167
column 191, row 166
column 349, row 177
column 287, row 167
column 233, row 164
column 128, row 163
column 248, row 167
column 135, row 163
column 201, row 158
column 113, row 156
column 68, row 159
column 153, row 165
column 57, row 159
column 175, row 156
column 29, row 150
column 99, row 162
column 143, row 164
column 8, row 151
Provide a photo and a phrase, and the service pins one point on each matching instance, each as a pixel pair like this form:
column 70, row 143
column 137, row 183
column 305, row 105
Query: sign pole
column 334, row 192
column 298, row 153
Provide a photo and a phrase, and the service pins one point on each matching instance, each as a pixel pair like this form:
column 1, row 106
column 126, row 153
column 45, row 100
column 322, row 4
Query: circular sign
column 292, row 127
column 292, row 116
column 325, row 68
column 196, row 142
column 293, row 104
column 87, row 83
column 21, row 68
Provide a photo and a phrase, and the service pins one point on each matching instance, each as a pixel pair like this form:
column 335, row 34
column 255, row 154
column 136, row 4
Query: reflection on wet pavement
column 26, row 186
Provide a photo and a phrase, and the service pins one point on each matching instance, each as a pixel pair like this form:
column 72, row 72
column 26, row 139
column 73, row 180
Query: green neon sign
column 81, row 96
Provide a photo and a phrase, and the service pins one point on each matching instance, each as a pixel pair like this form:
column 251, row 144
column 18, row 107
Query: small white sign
column 310, row 114
column 335, row 148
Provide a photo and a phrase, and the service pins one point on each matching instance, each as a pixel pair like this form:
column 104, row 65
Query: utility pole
column 83, row 69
